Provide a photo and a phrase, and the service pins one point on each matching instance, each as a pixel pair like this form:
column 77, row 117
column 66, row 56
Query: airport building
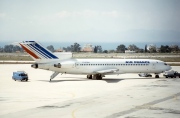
column 129, row 51
column 88, row 48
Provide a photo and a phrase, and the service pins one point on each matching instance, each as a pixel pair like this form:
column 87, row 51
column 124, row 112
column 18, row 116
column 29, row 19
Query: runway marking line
column 75, row 110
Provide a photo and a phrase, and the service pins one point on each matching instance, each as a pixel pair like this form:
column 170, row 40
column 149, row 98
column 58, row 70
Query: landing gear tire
column 97, row 77
column 89, row 76
column 156, row 76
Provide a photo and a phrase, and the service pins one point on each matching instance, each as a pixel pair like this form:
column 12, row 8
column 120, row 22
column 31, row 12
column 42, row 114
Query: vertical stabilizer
column 37, row 51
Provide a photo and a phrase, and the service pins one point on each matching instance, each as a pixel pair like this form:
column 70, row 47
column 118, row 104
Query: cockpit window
column 165, row 63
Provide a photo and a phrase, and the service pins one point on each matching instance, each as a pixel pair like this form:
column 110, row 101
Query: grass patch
column 15, row 58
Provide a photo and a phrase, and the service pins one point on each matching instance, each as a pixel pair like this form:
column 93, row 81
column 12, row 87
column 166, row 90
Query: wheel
column 26, row 80
column 156, row 76
column 99, row 77
column 89, row 76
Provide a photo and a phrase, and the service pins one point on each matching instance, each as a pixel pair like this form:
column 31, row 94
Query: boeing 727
column 93, row 68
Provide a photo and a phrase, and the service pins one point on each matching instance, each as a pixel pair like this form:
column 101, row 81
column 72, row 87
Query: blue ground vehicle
column 20, row 75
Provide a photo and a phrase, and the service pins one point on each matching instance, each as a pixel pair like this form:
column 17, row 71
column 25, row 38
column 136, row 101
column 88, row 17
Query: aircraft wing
column 107, row 71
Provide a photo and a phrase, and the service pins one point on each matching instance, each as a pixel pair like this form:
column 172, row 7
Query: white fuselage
column 91, row 66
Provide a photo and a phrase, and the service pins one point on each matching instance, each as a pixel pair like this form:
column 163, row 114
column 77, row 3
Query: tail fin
column 36, row 51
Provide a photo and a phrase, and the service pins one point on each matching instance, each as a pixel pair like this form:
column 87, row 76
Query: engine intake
column 34, row 65
column 57, row 65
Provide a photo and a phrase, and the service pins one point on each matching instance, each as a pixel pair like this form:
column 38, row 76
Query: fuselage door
column 76, row 65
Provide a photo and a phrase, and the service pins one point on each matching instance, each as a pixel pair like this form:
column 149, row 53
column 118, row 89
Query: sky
column 90, row 20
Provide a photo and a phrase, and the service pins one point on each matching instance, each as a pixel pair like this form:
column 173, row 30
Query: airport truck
column 171, row 73
column 20, row 75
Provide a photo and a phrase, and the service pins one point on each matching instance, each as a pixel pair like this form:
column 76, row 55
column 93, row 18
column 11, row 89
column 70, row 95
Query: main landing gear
column 89, row 76
column 95, row 77
column 156, row 76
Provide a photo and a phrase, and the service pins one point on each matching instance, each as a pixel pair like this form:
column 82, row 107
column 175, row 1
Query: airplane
column 93, row 68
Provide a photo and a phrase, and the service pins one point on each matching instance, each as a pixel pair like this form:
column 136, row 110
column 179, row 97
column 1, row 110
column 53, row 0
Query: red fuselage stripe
column 30, row 52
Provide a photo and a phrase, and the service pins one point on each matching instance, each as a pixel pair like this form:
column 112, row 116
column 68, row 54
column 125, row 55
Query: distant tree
column 121, row 48
column 68, row 49
column 98, row 49
column 133, row 48
column 76, row 47
column 168, row 49
column 95, row 49
column 65, row 49
column 141, row 50
column 51, row 48
column 11, row 49
column 8, row 48
column 17, row 48
column 174, row 48
column 165, row 49
column 105, row 51
column 111, row 51
column 145, row 49
column 1, row 49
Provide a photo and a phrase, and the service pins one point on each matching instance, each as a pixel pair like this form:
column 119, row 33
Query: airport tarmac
column 74, row 96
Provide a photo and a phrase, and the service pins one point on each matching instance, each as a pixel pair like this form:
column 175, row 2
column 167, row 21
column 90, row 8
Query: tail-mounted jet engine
column 57, row 65
column 65, row 64
column 34, row 65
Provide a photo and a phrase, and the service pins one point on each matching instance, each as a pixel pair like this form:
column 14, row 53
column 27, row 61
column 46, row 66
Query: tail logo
column 37, row 51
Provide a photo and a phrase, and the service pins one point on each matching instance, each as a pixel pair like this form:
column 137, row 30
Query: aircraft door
column 76, row 65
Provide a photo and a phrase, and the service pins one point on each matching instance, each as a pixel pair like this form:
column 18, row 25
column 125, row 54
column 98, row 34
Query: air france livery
column 93, row 68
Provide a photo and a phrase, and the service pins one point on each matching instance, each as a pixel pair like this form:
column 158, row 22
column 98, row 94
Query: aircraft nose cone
column 169, row 68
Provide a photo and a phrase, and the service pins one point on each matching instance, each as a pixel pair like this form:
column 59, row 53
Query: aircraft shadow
column 112, row 80
column 85, row 79
column 55, row 81
column 108, row 80
column 144, row 78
